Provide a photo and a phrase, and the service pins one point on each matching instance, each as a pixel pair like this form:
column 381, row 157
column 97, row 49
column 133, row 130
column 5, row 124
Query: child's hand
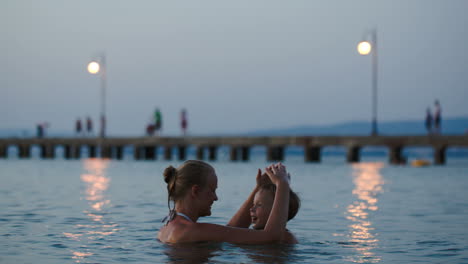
column 277, row 173
column 262, row 178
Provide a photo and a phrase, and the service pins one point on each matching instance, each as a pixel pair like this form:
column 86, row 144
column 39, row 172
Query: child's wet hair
column 294, row 200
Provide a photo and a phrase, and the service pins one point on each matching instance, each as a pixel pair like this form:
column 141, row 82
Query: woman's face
column 260, row 211
column 208, row 195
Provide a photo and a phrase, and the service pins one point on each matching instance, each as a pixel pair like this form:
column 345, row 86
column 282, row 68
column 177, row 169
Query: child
column 256, row 209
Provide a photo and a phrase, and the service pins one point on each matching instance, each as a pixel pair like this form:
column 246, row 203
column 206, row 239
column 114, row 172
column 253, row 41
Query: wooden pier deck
column 145, row 148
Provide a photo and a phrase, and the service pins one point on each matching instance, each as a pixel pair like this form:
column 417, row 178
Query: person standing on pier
column 149, row 129
column 157, row 121
column 183, row 122
column 89, row 126
column 437, row 118
column 428, row 121
column 40, row 131
column 78, row 127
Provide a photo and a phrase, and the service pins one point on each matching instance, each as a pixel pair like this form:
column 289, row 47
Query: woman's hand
column 262, row 178
column 277, row 173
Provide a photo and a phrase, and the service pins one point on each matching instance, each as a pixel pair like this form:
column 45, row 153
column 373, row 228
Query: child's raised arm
column 242, row 216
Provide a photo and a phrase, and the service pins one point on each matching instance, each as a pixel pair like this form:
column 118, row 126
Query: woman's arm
column 236, row 235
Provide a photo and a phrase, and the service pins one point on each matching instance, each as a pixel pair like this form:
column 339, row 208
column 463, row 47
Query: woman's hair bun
column 169, row 174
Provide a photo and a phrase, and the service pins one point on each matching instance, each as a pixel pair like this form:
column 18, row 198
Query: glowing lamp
column 93, row 67
column 364, row 48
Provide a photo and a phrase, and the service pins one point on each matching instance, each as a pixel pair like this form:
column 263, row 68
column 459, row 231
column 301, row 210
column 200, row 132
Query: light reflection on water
column 368, row 184
column 50, row 214
column 96, row 182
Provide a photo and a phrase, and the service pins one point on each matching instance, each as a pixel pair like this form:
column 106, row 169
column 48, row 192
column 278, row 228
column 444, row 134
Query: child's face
column 260, row 211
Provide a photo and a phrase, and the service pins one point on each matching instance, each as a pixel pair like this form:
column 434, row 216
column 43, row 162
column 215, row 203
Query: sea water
column 107, row 211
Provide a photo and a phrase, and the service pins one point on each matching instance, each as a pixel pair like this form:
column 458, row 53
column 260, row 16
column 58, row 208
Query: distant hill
column 4, row 133
column 449, row 126
column 25, row 133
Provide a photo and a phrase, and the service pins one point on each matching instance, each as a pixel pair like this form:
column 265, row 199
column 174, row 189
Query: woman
column 256, row 209
column 193, row 186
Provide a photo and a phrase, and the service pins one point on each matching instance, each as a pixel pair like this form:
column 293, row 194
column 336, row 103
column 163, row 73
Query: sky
column 236, row 66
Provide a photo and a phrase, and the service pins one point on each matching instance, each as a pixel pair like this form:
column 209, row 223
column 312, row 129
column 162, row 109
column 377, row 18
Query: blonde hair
column 191, row 172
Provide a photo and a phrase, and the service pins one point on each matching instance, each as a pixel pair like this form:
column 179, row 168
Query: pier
column 146, row 148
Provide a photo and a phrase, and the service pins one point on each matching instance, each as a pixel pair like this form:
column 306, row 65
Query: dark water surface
column 100, row 211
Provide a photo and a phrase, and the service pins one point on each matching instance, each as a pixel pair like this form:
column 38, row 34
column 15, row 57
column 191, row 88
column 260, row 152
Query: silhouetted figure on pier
column 428, row 121
column 78, row 127
column 183, row 121
column 89, row 125
column 150, row 130
column 157, row 121
column 437, row 118
column 39, row 131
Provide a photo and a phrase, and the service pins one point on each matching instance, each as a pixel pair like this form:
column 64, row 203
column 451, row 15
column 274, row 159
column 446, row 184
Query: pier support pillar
column 200, row 152
column 76, row 152
column 91, row 151
column 43, row 151
column 106, row 151
column 24, row 151
column 439, row 155
column 275, row 153
column 395, row 155
column 137, row 152
column 182, row 152
column 212, row 153
column 119, row 152
column 150, row 152
column 168, row 152
column 245, row 153
column 270, row 154
column 67, row 151
column 353, row 154
column 312, row 154
column 3, row 151
column 47, row 151
column 233, row 153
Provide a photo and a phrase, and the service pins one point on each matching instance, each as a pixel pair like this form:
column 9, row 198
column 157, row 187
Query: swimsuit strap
column 169, row 217
column 172, row 215
column 185, row 216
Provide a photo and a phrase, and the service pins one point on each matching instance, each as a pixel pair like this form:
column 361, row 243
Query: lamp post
column 364, row 48
column 95, row 67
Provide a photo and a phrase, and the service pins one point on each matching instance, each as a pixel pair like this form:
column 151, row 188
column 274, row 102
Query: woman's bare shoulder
column 180, row 231
column 175, row 231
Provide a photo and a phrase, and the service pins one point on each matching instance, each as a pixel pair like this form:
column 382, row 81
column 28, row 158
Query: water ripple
column 59, row 246
column 63, row 218
column 434, row 243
